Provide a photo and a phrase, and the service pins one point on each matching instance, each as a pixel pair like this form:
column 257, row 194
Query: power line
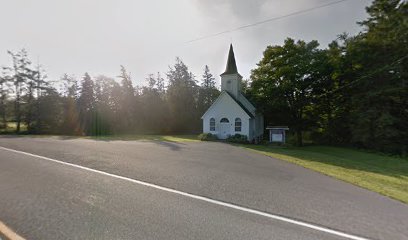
column 266, row 21
column 362, row 77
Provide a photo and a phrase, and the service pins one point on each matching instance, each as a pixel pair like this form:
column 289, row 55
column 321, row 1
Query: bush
column 207, row 137
column 237, row 138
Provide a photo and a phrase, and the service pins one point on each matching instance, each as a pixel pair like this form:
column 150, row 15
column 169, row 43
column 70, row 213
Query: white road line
column 10, row 234
column 205, row 199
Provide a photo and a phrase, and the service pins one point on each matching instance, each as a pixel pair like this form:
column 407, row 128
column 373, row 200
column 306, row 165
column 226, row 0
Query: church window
column 212, row 124
column 224, row 120
column 238, row 124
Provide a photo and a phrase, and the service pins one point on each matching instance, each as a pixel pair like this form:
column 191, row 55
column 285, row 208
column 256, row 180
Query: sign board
column 277, row 134
column 277, row 137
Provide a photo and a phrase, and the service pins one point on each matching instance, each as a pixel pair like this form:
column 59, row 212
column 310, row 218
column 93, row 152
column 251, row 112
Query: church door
column 225, row 127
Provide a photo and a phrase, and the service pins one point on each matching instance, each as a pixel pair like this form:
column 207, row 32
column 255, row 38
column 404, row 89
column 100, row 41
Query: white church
column 231, row 113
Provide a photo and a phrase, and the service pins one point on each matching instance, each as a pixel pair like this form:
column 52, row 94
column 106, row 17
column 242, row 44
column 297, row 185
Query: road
column 105, row 194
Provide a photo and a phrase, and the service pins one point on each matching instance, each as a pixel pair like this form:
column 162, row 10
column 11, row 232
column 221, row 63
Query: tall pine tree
column 86, row 103
column 182, row 100
column 208, row 91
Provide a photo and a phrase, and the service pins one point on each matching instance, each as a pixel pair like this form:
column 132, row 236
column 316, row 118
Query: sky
column 97, row 36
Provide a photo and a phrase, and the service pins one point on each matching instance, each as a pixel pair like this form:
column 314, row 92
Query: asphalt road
column 42, row 199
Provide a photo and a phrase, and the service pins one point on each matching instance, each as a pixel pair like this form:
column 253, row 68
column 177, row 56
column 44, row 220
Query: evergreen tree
column 208, row 79
column 155, row 112
column 380, row 93
column 331, row 102
column 70, row 87
column 51, row 111
column 182, row 98
column 128, row 106
column 70, row 121
column 106, row 106
column 151, row 82
column 4, row 91
column 20, row 73
column 208, row 91
column 126, row 81
column 86, row 104
column 37, row 84
column 160, row 84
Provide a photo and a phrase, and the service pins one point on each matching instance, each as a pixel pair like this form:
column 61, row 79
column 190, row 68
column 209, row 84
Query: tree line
column 353, row 92
column 103, row 105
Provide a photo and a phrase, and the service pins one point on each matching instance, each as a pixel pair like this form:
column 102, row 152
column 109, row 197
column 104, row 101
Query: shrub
column 207, row 137
column 237, row 138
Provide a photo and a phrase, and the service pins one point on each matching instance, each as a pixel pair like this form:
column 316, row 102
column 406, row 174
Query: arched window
column 224, row 120
column 212, row 124
column 238, row 124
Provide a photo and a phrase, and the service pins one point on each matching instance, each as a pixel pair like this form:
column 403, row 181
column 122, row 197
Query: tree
column 208, row 81
column 160, row 84
column 331, row 101
column 355, row 92
column 128, row 106
column 380, row 94
column 4, row 91
column 107, row 105
column 283, row 82
column 182, row 98
column 20, row 73
column 208, row 91
column 86, row 103
column 70, row 87
column 37, row 84
column 51, row 111
column 70, row 120
column 154, row 107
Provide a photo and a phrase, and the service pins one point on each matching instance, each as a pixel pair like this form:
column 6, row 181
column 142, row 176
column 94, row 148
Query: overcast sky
column 96, row 36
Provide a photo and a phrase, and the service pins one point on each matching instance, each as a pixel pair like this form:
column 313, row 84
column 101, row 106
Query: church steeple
column 231, row 79
column 231, row 67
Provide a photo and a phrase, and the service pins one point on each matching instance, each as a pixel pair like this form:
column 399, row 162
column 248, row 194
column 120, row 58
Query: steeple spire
column 231, row 67
column 231, row 79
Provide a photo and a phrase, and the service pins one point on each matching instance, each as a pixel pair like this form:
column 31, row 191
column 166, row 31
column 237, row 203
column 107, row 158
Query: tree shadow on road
column 175, row 146
column 172, row 142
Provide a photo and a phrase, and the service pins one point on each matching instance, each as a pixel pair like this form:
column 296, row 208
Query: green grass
column 12, row 126
column 380, row 173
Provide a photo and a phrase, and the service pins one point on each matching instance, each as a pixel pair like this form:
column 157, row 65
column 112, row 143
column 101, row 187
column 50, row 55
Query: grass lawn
column 12, row 126
column 380, row 173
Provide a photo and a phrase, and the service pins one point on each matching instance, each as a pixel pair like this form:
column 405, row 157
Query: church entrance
column 224, row 130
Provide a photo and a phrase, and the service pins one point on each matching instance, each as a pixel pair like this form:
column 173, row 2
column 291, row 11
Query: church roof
column 241, row 105
column 231, row 67
column 225, row 93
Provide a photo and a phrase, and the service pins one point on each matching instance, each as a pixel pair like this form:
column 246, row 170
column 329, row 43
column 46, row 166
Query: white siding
column 232, row 84
column 226, row 107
